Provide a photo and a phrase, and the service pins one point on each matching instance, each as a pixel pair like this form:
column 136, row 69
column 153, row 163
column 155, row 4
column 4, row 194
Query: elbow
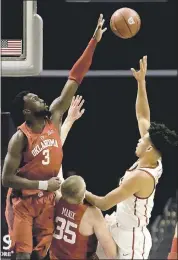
column 104, row 208
column 5, row 182
column 115, row 251
column 112, row 254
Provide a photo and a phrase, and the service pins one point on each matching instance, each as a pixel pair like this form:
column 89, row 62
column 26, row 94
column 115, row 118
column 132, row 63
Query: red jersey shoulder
column 49, row 129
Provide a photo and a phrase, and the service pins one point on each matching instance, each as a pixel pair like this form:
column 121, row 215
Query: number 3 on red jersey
column 63, row 229
column 46, row 159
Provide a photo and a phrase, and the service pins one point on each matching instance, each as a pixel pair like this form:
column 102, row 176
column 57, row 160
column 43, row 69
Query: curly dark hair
column 17, row 108
column 162, row 137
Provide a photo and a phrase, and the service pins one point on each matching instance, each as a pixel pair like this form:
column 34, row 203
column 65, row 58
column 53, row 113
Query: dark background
column 101, row 145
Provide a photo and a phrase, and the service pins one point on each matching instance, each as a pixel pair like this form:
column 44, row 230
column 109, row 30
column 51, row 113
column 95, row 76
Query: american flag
column 11, row 47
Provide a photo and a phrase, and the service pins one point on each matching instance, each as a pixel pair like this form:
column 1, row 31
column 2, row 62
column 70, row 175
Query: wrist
column 70, row 120
column 88, row 195
column 93, row 40
column 43, row 185
column 140, row 81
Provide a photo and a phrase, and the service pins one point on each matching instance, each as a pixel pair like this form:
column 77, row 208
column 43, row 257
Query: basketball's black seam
column 126, row 24
column 117, row 30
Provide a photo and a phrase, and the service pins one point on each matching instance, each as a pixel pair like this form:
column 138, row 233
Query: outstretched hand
column 75, row 111
column 99, row 29
column 140, row 74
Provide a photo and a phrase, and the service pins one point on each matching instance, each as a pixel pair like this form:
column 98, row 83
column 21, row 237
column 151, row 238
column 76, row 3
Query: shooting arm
column 12, row 162
column 142, row 105
column 142, row 108
column 124, row 191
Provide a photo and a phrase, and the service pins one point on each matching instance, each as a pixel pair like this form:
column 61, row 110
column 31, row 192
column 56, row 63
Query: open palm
column 140, row 74
column 75, row 111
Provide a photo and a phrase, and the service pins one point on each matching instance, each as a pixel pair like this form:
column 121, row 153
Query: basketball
column 125, row 23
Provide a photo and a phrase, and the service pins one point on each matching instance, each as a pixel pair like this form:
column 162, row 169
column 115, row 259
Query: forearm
column 66, row 126
column 17, row 182
column 142, row 105
column 96, row 201
column 76, row 76
column 83, row 64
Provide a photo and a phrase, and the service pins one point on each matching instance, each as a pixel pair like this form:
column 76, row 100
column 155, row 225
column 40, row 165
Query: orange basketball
column 125, row 23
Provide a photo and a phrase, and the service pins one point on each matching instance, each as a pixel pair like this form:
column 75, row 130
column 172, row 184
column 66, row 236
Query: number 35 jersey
column 42, row 157
column 68, row 243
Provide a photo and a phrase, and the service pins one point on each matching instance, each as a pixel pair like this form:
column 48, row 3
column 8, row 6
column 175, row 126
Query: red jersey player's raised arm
column 60, row 105
column 142, row 105
column 12, row 162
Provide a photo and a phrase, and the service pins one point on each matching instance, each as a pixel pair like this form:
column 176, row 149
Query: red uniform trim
column 143, row 244
column 141, row 198
column 135, row 211
column 133, row 243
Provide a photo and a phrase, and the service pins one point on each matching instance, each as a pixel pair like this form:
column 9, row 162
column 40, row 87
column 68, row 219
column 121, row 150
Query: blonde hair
column 73, row 189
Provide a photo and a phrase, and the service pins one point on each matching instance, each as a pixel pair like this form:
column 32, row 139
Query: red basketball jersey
column 67, row 241
column 43, row 156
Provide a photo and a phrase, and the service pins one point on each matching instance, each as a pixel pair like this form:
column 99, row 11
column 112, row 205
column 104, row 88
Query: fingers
column 82, row 111
column 73, row 101
column 56, row 178
column 145, row 62
column 141, row 65
column 101, row 22
column 77, row 101
column 100, row 19
column 81, row 104
column 104, row 30
column 133, row 71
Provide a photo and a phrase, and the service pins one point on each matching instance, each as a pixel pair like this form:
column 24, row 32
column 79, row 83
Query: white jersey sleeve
column 135, row 211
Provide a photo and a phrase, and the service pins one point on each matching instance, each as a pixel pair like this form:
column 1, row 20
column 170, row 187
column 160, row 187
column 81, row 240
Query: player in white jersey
column 135, row 194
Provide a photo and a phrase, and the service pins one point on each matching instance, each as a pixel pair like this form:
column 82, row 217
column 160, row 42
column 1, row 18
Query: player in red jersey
column 174, row 253
column 34, row 158
column 78, row 226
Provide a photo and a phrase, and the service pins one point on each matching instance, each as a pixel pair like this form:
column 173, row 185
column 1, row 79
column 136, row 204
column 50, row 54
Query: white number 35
column 65, row 233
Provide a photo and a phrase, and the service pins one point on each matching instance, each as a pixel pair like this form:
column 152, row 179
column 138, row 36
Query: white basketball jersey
column 135, row 211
